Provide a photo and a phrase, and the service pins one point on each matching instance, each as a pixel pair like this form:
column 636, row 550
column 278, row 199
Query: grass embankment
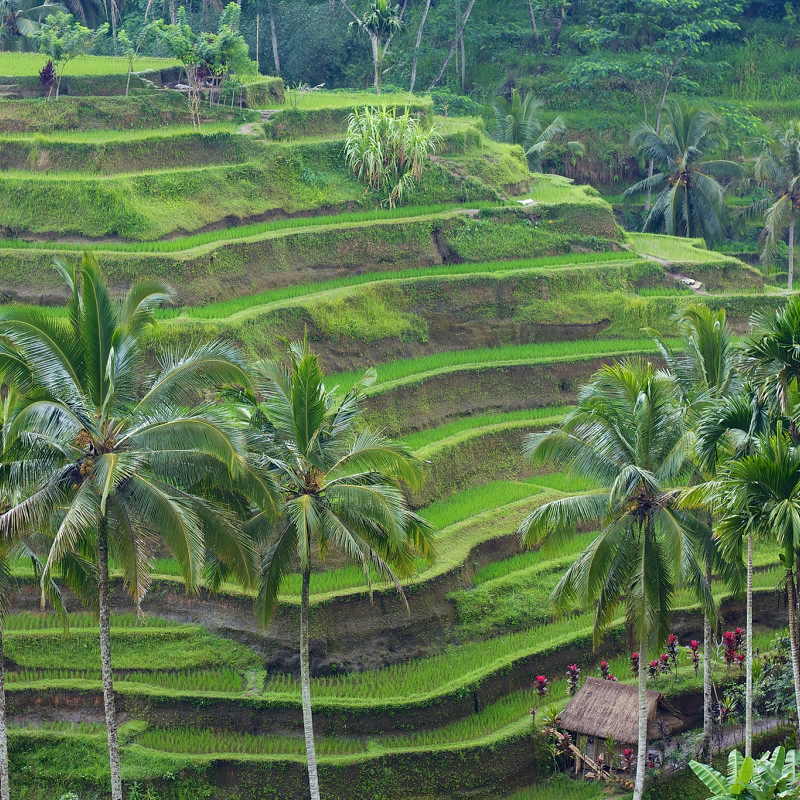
column 119, row 152
column 143, row 109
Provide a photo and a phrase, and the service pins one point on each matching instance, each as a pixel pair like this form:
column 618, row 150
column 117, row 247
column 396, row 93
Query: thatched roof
column 608, row 708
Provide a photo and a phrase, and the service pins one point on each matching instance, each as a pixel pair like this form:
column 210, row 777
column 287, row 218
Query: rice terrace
column 399, row 400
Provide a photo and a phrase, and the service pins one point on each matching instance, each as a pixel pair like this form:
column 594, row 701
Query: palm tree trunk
column 416, row 46
column 305, row 689
column 707, row 698
column 651, row 164
column 791, row 250
column 748, row 691
column 641, row 747
column 793, row 640
column 4, row 790
column 105, row 661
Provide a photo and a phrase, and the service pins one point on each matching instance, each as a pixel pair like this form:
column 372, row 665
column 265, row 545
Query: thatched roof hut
column 608, row 708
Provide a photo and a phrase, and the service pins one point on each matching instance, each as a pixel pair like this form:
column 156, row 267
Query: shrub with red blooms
column 635, row 662
column 672, row 650
column 609, row 677
column 604, row 670
column 733, row 641
column 627, row 758
column 694, row 646
column 541, row 683
column 664, row 662
column 654, row 669
column 573, row 676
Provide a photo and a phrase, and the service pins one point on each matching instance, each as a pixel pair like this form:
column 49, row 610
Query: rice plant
column 29, row 64
column 466, row 504
column 431, row 436
column 29, row 621
column 665, row 291
column 60, row 726
column 482, row 357
column 388, row 152
column 193, row 740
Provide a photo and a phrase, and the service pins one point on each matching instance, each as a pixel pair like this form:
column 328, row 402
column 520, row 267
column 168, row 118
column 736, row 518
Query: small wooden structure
column 608, row 708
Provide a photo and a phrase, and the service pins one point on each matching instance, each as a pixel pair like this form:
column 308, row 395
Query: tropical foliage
column 691, row 198
column 338, row 488
column 519, row 121
column 115, row 462
column 388, row 152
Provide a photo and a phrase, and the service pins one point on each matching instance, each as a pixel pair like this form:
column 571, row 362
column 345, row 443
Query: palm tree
column 338, row 487
column 691, row 201
column 12, row 478
column 772, row 356
column 777, row 169
column 627, row 434
column 760, row 495
column 380, row 22
column 519, row 121
column 121, row 454
column 705, row 370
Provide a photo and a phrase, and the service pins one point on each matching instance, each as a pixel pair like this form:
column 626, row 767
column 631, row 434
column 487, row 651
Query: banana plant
column 774, row 775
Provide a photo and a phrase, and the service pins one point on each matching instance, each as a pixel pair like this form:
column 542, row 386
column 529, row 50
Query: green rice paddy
column 28, row 65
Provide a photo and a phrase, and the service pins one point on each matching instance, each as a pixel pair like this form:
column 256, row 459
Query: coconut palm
column 627, row 433
column 338, row 488
column 13, row 476
column 759, row 494
column 691, row 200
column 119, row 456
column 704, row 368
column 519, row 121
column 777, row 169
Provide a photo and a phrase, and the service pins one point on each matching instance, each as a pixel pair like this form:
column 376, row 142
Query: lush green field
column 29, row 64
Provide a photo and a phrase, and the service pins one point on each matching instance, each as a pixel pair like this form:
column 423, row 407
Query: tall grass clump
column 387, row 152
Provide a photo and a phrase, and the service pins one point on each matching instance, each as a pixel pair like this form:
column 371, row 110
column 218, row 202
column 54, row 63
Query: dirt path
column 250, row 127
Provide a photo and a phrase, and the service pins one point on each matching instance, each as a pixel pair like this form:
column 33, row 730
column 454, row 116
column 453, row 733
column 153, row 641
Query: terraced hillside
column 482, row 318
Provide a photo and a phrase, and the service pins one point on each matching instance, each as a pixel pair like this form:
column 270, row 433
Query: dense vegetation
column 407, row 490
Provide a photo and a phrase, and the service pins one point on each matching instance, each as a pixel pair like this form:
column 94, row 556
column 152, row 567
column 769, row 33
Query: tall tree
column 666, row 37
column 380, row 22
column 705, row 369
column 128, row 454
column 771, row 355
column 691, row 201
column 759, row 494
column 777, row 169
column 417, row 45
column 627, row 434
column 339, row 487
column 459, row 37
